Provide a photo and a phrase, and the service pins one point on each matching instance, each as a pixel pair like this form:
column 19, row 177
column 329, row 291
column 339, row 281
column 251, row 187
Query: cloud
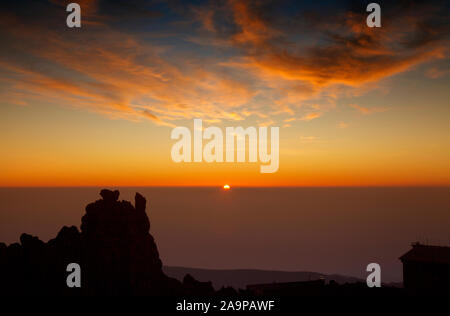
column 310, row 139
column 435, row 72
column 310, row 116
column 125, row 78
column 343, row 51
column 367, row 111
column 245, row 59
column 351, row 53
column 342, row 125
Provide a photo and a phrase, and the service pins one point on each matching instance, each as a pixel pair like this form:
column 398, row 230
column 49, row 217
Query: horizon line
column 232, row 186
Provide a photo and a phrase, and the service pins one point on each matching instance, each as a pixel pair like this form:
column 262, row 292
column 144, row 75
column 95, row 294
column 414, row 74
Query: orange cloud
column 310, row 116
column 435, row 73
column 367, row 111
column 125, row 79
column 352, row 54
column 120, row 73
column 342, row 125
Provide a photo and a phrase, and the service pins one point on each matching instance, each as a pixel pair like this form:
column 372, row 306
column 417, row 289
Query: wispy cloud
column 310, row 140
column 342, row 125
column 435, row 72
column 118, row 66
column 367, row 111
column 309, row 116
column 343, row 52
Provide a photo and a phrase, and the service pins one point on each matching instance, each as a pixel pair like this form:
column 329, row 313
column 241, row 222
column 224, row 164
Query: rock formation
column 116, row 253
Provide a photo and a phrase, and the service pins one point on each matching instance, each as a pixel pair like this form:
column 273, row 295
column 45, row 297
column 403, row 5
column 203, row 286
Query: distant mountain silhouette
column 116, row 253
column 240, row 278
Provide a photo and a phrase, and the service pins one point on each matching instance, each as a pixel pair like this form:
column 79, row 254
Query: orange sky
column 356, row 106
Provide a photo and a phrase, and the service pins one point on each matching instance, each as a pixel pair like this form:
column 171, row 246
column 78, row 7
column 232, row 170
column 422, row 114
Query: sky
column 356, row 106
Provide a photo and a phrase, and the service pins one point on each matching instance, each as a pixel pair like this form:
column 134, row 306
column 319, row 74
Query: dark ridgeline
column 116, row 253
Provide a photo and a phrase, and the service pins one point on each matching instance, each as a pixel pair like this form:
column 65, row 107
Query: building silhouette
column 426, row 268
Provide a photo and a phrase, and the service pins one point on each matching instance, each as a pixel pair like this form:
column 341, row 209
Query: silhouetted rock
column 116, row 253
column 109, row 196
column 121, row 256
column 194, row 287
column 227, row 291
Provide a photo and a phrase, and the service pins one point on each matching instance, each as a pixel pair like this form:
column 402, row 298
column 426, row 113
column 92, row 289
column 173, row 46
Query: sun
column 226, row 187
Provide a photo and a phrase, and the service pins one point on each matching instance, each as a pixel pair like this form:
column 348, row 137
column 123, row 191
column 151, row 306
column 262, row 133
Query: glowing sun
column 226, row 187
